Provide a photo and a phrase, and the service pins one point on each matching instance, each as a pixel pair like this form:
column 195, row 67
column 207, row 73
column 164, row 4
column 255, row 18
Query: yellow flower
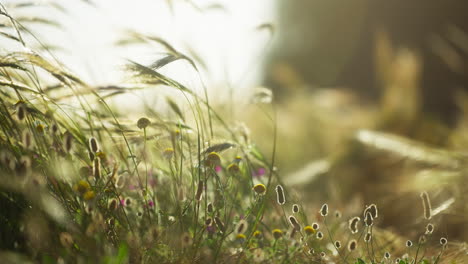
column 102, row 155
column 233, row 168
column 89, row 195
column 309, row 230
column 40, row 128
column 168, row 153
column 277, row 233
column 82, row 186
column 260, row 189
column 257, row 234
column 212, row 159
column 240, row 236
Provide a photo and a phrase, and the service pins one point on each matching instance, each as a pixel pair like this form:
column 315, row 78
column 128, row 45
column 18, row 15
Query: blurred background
column 369, row 96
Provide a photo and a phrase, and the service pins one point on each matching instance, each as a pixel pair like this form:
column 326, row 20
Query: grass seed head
column 368, row 220
column 315, row 226
column 199, row 193
column 294, row 223
column 443, row 241
column 241, row 226
column 387, row 255
column 338, row 244
column 93, row 145
column 219, row 224
column 233, row 168
column 409, row 243
column 353, row 224
column 352, row 245
column 280, row 195
column 372, row 209
column 319, row 235
column 324, row 210
column 429, row 229
column 295, row 208
column 260, row 189
column 309, row 230
column 426, row 205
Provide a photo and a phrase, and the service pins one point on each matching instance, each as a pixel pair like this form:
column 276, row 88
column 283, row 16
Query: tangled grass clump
column 85, row 184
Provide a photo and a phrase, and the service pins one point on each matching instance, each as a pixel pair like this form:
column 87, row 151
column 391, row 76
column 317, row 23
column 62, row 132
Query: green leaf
column 360, row 261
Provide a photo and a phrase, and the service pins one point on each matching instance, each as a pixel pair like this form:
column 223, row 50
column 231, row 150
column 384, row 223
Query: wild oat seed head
column 128, row 201
column 319, row 235
column 280, row 195
column 311, row 251
column 369, row 221
column 443, row 241
column 353, row 224
column 68, row 141
column 338, row 244
column 367, row 237
column 387, row 255
column 93, row 145
column 397, row 260
column 143, row 122
column 324, row 210
column 277, row 233
column 409, row 243
column 426, row 205
column 315, row 226
column 113, row 204
column 97, row 169
column 295, row 208
column 309, row 230
column 422, row 239
column 208, row 221
column 21, row 111
column 352, row 245
column 429, row 229
column 260, row 189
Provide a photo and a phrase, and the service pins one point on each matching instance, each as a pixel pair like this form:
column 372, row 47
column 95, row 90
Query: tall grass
column 80, row 182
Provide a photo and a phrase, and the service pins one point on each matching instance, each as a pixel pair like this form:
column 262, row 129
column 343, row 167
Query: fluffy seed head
column 280, row 195
column 324, row 210
column 353, row 224
column 426, row 205
column 352, row 245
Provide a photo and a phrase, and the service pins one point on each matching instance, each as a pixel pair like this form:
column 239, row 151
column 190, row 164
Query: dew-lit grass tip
column 338, row 244
column 315, row 226
column 280, row 195
column 429, row 229
column 241, row 226
column 387, row 255
column 372, row 209
column 409, row 243
column 443, row 241
column 319, row 235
